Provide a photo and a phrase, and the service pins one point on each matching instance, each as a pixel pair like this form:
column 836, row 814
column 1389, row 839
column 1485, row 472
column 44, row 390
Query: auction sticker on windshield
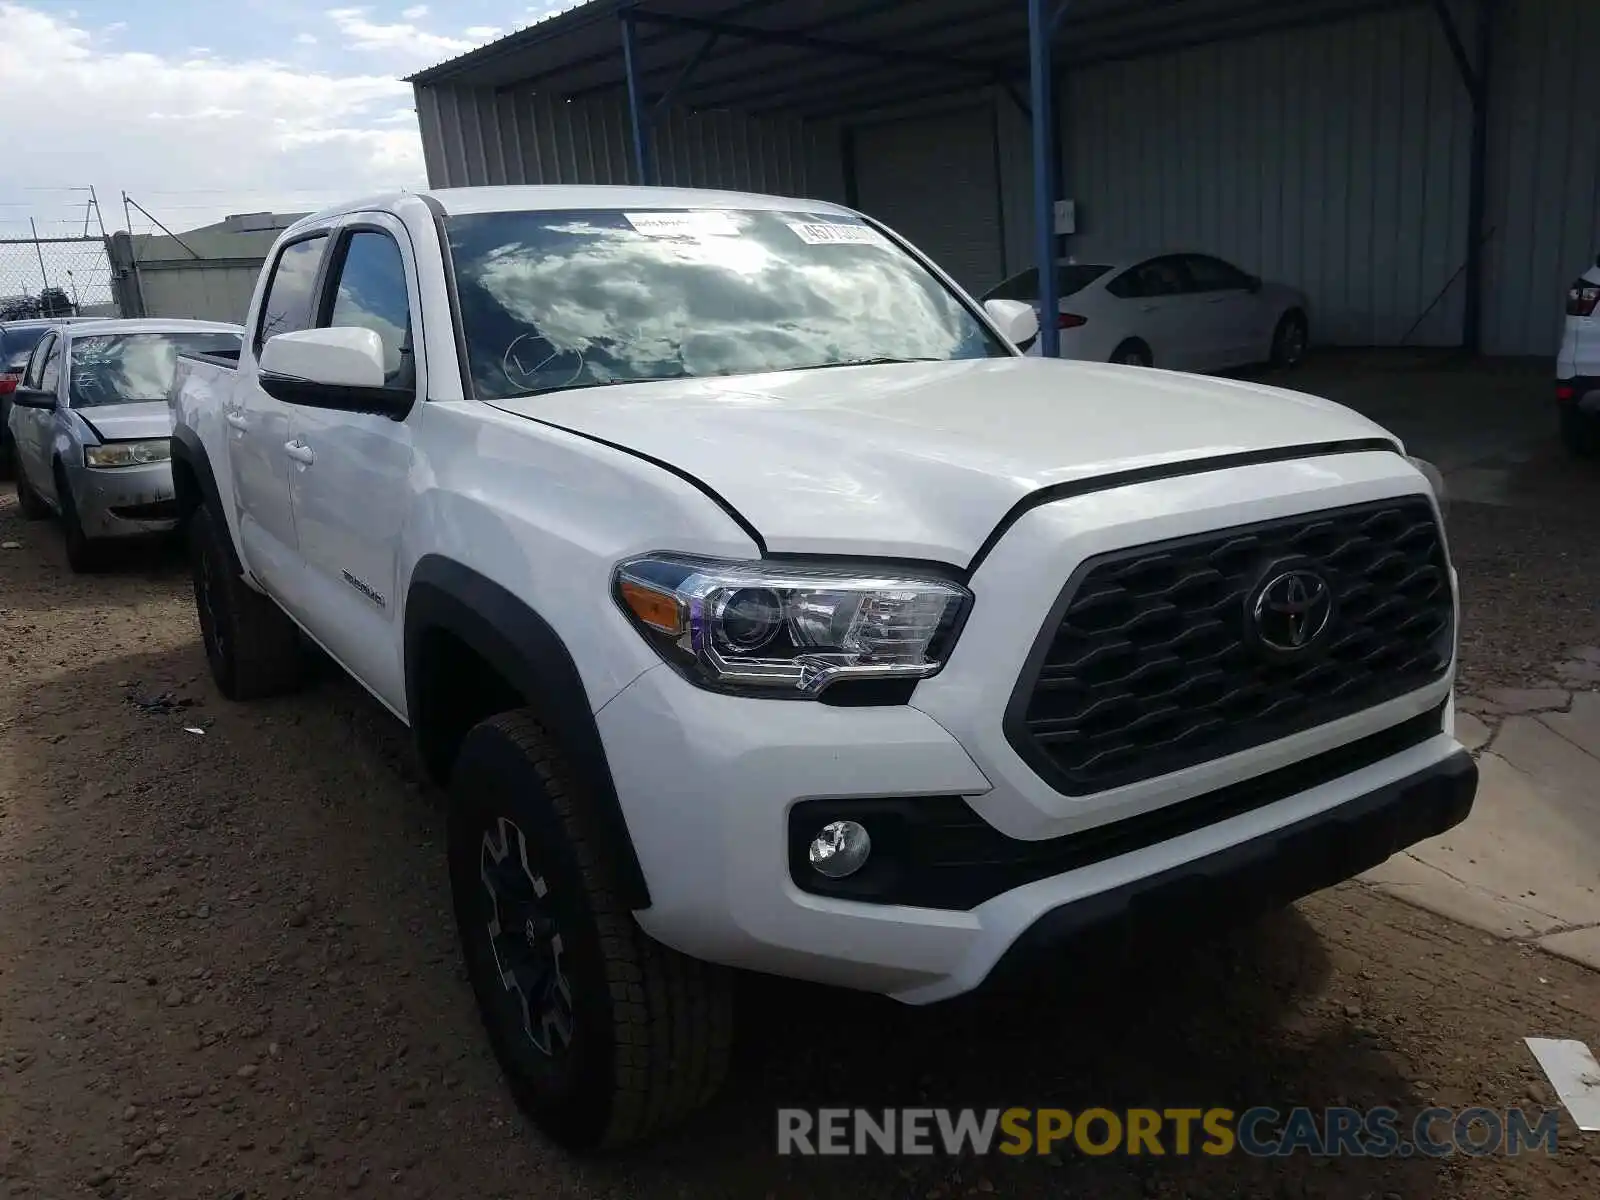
column 830, row 233
column 683, row 224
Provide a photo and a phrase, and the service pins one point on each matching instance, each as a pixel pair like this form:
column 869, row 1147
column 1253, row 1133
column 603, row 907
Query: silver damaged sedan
column 92, row 430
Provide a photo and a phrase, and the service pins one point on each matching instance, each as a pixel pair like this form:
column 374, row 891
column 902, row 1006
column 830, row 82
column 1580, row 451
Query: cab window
column 286, row 306
column 369, row 292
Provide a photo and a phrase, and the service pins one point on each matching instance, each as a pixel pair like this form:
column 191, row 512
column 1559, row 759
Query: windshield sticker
column 683, row 224
column 829, row 233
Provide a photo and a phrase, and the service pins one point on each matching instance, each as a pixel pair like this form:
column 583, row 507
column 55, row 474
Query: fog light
column 840, row 849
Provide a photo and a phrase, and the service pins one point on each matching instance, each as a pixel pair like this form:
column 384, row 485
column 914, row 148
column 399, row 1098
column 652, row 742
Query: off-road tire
column 29, row 503
column 651, row 1029
column 253, row 648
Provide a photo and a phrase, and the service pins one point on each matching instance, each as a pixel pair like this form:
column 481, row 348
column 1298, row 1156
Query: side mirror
column 26, row 397
column 1017, row 321
column 340, row 368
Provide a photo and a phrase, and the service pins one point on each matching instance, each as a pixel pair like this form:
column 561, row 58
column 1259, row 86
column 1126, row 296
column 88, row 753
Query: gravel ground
column 227, row 966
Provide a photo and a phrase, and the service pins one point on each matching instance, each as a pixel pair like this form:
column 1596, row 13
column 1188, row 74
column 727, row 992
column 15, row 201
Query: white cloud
column 193, row 138
column 415, row 13
column 482, row 33
column 362, row 33
column 306, row 39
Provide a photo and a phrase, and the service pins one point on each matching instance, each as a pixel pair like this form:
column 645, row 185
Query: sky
column 200, row 108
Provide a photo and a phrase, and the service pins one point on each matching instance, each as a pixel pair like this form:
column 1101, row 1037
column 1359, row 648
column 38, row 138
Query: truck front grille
column 1168, row 655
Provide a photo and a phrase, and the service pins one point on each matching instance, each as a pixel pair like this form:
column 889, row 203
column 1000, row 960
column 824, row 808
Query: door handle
column 300, row 452
column 236, row 419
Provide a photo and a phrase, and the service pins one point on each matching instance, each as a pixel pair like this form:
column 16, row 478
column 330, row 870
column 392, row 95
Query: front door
column 32, row 426
column 259, row 428
column 352, row 471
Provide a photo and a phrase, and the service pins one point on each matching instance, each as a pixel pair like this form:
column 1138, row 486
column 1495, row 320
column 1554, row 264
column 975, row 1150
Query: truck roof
column 536, row 198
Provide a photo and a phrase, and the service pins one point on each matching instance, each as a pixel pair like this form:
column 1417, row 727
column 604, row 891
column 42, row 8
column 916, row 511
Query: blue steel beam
column 1042, row 77
column 641, row 129
column 684, row 76
column 806, row 41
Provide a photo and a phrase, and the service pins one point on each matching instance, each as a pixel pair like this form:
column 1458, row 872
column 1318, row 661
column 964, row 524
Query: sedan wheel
column 1132, row 354
column 1289, row 341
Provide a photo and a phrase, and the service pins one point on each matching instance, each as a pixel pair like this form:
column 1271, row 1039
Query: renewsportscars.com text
column 1261, row 1132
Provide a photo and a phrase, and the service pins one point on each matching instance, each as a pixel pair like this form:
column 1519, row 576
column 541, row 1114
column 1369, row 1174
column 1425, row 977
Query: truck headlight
column 127, row 454
column 789, row 631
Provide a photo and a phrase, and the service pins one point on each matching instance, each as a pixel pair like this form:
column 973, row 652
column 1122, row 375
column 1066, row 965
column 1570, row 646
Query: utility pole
column 39, row 250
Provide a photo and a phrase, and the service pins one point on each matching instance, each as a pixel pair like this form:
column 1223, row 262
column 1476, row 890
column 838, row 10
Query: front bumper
column 708, row 782
column 125, row 501
column 713, row 787
column 1254, row 877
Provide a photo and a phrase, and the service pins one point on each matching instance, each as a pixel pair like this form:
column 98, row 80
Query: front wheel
column 84, row 554
column 1289, row 340
column 605, row 1035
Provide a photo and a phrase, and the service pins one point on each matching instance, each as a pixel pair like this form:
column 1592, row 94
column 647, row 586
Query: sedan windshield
column 124, row 368
column 554, row 300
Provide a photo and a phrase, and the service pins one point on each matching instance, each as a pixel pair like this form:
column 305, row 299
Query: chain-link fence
column 55, row 277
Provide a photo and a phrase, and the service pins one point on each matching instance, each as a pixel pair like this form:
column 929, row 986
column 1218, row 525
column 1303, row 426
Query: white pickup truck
column 762, row 607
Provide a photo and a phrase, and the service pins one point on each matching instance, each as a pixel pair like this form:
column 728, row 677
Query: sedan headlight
column 782, row 630
column 127, row 454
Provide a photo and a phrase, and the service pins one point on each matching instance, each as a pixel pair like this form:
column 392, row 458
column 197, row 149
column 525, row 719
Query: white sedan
column 1180, row 310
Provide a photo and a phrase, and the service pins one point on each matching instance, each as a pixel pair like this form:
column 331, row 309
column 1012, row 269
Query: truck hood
column 924, row 460
column 125, row 422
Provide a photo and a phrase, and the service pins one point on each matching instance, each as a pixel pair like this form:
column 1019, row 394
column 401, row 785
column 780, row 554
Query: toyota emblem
column 1291, row 610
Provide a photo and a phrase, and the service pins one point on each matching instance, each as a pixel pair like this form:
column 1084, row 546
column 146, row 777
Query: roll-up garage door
column 932, row 180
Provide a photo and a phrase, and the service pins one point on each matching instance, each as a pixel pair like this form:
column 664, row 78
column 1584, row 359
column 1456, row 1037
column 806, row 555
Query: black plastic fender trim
column 521, row 644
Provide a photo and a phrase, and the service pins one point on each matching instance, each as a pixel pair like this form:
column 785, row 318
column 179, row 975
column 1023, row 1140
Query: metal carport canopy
column 819, row 59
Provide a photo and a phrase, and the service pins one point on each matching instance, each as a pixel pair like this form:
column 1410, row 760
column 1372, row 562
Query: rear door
column 259, row 426
column 1227, row 317
column 32, row 425
column 1157, row 307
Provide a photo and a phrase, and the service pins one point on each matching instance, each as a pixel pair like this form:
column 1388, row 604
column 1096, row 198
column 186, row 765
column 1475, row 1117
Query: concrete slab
column 1580, row 945
column 1471, row 731
column 1580, row 726
column 1527, row 862
column 1527, row 700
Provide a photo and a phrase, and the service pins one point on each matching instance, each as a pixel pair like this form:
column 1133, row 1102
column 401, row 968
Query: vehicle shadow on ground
column 318, row 795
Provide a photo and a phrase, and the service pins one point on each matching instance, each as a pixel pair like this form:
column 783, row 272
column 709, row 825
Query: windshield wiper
column 569, row 387
column 863, row 362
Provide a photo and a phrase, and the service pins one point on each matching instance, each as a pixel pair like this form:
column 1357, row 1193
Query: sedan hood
column 136, row 420
column 923, row 460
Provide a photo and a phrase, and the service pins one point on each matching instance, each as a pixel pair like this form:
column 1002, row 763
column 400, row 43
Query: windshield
column 1070, row 277
column 124, row 368
column 553, row 300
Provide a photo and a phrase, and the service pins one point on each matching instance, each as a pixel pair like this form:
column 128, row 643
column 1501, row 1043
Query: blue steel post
column 1041, row 25
column 641, row 128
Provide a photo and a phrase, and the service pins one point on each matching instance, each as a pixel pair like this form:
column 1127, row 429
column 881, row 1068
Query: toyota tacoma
column 761, row 606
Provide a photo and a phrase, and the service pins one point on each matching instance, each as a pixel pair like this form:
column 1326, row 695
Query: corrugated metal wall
column 470, row 136
column 1335, row 158
column 1332, row 158
column 1544, row 170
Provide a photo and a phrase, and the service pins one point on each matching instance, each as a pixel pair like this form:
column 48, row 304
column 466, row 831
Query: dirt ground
column 228, row 968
